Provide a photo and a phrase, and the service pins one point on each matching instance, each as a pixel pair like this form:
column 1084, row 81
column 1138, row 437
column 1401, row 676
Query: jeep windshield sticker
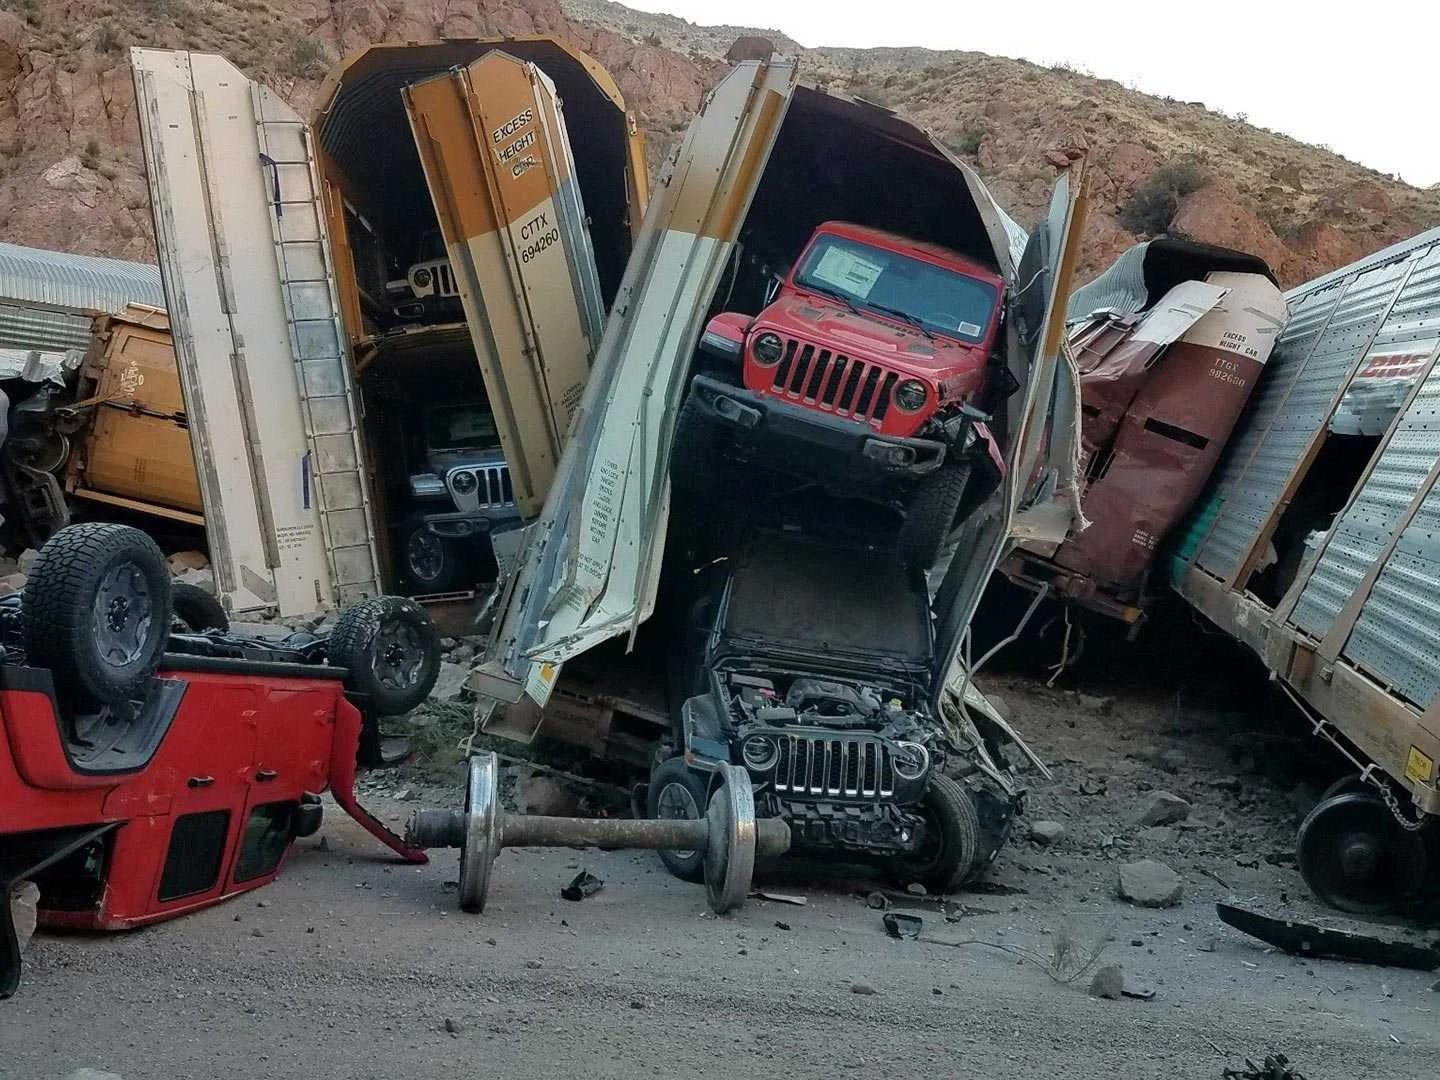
column 970, row 329
column 845, row 269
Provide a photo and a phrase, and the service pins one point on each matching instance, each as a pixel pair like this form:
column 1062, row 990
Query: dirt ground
column 354, row 966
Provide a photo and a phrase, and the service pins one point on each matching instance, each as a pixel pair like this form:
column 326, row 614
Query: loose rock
column 92, row 1074
column 1159, row 835
column 861, row 988
column 1149, row 884
column 26, row 562
column 1046, row 832
column 1108, row 983
column 546, row 796
column 451, row 1026
column 915, row 889
column 1092, row 703
column 1163, row 808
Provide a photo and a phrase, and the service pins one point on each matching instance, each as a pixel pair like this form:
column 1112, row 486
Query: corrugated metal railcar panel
column 1400, row 470
column 80, row 282
column 1242, row 514
column 24, row 327
column 1397, row 637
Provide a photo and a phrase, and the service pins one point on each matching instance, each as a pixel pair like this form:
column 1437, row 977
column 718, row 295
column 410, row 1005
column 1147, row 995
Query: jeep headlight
column 911, row 760
column 422, row 277
column 768, row 349
column 760, row 753
column 464, row 483
column 911, row 395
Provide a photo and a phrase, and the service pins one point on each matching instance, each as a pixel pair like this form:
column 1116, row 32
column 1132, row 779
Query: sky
column 1359, row 78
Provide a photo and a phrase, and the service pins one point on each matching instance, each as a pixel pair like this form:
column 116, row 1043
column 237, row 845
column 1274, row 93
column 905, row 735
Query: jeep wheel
column 931, row 515
column 950, row 851
column 197, row 610
column 96, row 612
column 432, row 563
column 678, row 791
column 391, row 649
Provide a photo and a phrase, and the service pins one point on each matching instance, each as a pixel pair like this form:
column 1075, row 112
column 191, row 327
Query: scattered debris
column 916, row 889
column 789, row 898
column 1149, row 884
column 582, row 885
column 26, row 562
column 1163, row 808
column 1157, row 835
column 781, row 925
column 451, row 1027
column 861, row 988
column 1302, row 939
column 1139, row 993
column 93, row 1074
column 1046, row 832
column 877, row 901
column 636, row 1003
column 899, row 924
column 1094, row 703
column 1091, row 785
column 24, row 902
column 1275, row 1067
column 1108, row 983
column 533, row 965
column 180, row 562
column 450, row 681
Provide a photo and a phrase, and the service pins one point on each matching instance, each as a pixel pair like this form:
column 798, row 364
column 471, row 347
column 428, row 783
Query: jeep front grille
column 495, row 488
column 838, row 768
column 834, row 382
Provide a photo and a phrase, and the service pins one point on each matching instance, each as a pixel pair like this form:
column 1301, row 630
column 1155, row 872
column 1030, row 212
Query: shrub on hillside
column 1150, row 210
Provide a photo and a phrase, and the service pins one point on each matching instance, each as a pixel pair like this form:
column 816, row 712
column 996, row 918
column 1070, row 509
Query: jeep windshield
column 461, row 427
column 897, row 286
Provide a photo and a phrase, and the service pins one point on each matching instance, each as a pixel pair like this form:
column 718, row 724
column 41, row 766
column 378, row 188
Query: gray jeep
column 461, row 494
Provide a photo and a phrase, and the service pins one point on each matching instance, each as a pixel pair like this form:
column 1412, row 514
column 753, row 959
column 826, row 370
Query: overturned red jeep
column 146, row 769
column 870, row 372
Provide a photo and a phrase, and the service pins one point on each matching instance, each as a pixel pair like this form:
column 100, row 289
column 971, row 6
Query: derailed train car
column 1318, row 547
column 348, row 422
column 763, row 164
column 1169, row 342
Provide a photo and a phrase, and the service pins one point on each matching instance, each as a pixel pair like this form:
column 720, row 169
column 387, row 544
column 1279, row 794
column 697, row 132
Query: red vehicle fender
column 725, row 333
column 342, row 783
column 982, row 432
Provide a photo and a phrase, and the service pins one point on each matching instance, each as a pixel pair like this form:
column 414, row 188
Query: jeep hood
column 827, row 323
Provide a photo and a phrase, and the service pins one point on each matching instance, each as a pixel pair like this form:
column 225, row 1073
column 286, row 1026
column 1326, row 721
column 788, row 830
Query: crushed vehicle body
column 1315, row 547
column 811, row 665
column 1169, row 342
column 304, row 230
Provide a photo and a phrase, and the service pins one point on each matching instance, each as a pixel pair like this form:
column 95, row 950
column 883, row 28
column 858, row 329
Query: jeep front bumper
column 797, row 438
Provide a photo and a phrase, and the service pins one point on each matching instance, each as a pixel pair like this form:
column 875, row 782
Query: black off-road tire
column 930, row 514
column 675, row 774
column 391, row 649
column 198, row 609
column 96, row 612
column 951, row 853
column 450, row 565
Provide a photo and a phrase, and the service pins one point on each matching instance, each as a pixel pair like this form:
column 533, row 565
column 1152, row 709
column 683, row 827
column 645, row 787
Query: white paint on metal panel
column 232, row 292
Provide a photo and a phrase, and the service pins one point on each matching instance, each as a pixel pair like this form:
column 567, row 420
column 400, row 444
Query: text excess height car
column 865, row 373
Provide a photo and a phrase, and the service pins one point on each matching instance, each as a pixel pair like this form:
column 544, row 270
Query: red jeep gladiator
column 863, row 374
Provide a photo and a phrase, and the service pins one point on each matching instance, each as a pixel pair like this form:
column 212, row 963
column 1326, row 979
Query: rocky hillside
column 70, row 174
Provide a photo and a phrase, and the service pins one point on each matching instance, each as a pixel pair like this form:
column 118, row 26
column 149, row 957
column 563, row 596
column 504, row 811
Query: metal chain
column 1369, row 773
